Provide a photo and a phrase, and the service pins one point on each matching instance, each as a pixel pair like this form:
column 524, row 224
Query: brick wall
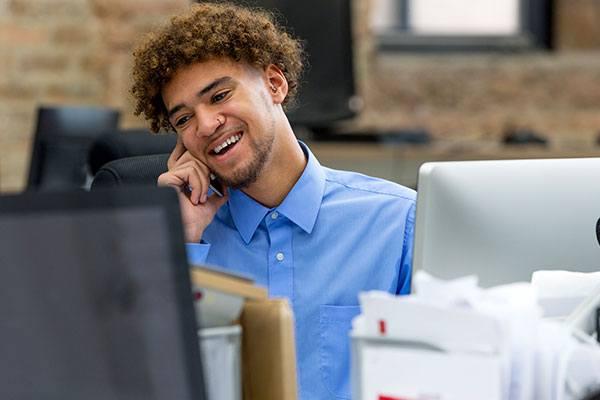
column 74, row 52
column 480, row 96
column 78, row 52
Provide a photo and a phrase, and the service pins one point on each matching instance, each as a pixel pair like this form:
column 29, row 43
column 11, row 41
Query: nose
column 208, row 121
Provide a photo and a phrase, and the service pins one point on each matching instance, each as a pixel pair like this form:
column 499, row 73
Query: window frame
column 535, row 20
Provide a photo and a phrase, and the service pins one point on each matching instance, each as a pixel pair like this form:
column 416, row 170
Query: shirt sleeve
column 197, row 253
column 404, row 278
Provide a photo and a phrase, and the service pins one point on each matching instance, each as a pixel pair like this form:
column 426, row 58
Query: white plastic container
column 220, row 350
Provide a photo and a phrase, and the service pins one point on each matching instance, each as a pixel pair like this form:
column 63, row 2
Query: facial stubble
column 245, row 176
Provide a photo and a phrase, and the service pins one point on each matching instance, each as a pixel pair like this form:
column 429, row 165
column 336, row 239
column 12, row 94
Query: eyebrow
column 201, row 92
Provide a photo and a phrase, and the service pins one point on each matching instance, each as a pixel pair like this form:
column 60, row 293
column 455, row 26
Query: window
column 462, row 25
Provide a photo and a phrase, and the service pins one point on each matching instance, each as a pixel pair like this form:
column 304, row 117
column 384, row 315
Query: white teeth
column 227, row 142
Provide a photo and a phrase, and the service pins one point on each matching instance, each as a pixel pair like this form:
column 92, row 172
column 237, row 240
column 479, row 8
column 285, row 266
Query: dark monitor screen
column 95, row 298
column 327, row 86
column 62, row 139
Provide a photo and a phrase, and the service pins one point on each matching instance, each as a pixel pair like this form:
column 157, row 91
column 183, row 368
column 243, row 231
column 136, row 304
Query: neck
column 283, row 169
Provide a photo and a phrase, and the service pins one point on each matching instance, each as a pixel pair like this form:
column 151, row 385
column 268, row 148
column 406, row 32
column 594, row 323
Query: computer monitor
column 502, row 220
column 95, row 297
column 62, row 139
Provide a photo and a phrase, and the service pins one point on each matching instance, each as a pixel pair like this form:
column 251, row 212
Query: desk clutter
column 454, row 340
column 247, row 340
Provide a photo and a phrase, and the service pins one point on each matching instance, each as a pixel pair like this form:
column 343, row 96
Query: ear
column 277, row 84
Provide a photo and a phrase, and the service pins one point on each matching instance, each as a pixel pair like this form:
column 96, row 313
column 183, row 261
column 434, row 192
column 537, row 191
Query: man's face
column 224, row 113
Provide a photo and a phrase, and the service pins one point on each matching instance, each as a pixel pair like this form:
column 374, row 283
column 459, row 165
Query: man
column 220, row 76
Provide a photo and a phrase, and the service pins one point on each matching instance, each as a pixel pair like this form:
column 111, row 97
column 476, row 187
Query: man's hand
column 191, row 178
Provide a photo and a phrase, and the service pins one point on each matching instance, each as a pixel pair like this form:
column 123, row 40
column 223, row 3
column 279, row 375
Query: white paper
column 560, row 292
column 499, row 332
column 411, row 374
column 449, row 329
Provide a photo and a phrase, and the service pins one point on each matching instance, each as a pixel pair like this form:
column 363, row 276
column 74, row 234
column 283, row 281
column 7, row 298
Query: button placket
column 274, row 225
column 280, row 255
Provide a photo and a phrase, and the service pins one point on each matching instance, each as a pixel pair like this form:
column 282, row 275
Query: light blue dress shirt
column 336, row 234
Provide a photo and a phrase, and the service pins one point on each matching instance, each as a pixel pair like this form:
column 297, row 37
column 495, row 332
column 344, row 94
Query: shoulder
column 359, row 185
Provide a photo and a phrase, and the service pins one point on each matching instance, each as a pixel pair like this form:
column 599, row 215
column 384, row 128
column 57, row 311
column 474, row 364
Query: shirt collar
column 301, row 205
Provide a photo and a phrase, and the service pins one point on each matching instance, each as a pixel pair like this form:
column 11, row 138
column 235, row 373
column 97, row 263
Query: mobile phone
column 216, row 185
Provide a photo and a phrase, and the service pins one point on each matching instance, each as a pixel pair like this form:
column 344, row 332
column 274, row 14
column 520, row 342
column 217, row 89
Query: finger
column 187, row 157
column 170, row 179
column 195, row 181
column 198, row 185
column 187, row 179
column 194, row 176
column 177, row 153
column 203, row 174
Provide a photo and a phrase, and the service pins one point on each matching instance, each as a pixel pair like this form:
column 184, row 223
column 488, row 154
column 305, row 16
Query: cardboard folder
column 268, row 343
column 268, row 350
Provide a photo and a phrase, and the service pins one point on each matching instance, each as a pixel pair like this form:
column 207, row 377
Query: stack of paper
column 455, row 340
column 560, row 292
column 407, row 349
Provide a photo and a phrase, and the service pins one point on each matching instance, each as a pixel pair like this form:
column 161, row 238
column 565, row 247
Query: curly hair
column 208, row 31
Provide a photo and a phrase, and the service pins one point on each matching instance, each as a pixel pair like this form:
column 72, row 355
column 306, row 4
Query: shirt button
column 280, row 256
column 274, row 215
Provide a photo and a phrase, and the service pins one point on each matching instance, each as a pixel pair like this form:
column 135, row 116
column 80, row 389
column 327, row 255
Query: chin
column 240, row 179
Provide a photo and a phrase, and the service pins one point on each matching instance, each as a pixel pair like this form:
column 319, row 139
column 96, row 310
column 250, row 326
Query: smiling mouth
column 227, row 144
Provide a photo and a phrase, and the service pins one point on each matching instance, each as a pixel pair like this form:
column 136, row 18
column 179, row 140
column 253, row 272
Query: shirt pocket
column 334, row 348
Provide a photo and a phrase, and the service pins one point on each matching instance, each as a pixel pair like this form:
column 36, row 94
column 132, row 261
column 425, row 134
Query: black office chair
column 128, row 143
column 62, row 139
column 139, row 170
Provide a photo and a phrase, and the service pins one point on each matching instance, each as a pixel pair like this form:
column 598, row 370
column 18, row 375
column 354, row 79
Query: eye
column 220, row 96
column 179, row 122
